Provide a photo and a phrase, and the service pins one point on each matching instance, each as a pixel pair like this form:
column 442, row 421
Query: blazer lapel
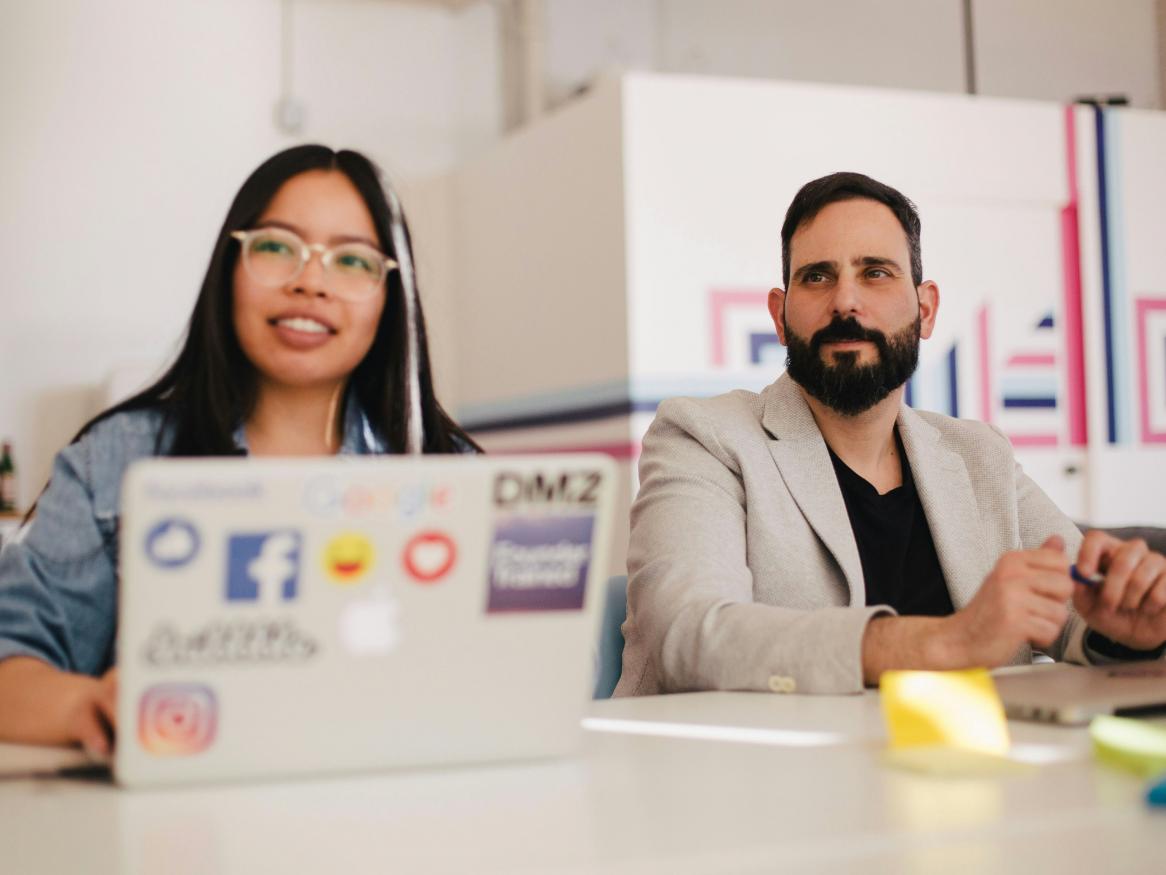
column 802, row 459
column 945, row 491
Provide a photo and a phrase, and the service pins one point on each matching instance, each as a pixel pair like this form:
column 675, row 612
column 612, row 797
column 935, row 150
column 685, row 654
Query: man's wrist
column 946, row 646
column 922, row 643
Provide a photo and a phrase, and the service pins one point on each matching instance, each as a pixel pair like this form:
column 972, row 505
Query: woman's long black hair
column 212, row 387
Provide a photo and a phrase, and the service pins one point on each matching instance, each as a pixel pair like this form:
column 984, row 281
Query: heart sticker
column 429, row 556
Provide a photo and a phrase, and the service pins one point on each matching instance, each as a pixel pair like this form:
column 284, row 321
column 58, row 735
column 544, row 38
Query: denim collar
column 359, row 439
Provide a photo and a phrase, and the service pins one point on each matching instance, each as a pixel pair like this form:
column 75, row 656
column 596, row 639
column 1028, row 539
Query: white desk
column 628, row 803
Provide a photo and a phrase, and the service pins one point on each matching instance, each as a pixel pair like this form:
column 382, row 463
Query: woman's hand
column 91, row 720
column 40, row 704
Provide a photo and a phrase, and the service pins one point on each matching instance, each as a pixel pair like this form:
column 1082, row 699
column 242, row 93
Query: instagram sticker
column 177, row 719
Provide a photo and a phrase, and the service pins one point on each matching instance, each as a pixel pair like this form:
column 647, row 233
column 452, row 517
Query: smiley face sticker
column 429, row 556
column 348, row 558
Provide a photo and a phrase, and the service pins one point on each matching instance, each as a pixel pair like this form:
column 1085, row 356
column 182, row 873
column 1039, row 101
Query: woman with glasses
column 307, row 338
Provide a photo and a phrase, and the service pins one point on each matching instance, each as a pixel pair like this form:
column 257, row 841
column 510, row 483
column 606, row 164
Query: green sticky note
column 1135, row 745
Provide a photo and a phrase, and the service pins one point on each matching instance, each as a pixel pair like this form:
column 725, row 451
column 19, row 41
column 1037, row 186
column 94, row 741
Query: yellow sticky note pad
column 954, row 710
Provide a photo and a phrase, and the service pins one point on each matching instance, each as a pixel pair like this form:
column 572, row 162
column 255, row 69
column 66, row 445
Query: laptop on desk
column 1075, row 694
column 285, row 617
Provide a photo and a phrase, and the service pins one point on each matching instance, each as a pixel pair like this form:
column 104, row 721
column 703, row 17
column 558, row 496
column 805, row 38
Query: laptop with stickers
column 288, row 617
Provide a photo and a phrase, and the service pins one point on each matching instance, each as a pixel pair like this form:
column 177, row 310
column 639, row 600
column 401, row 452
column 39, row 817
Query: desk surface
column 800, row 788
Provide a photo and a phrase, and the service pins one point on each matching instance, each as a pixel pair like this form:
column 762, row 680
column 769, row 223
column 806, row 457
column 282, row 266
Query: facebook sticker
column 263, row 567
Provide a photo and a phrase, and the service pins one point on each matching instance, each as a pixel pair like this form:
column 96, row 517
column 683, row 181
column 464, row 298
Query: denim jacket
column 58, row 576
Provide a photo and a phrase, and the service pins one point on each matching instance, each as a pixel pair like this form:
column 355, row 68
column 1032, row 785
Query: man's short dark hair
column 817, row 195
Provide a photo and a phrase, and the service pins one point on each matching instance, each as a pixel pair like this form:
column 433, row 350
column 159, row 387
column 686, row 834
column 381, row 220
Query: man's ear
column 928, row 307
column 776, row 305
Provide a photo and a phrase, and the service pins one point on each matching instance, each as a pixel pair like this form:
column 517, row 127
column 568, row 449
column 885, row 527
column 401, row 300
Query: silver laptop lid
column 1074, row 694
column 291, row 616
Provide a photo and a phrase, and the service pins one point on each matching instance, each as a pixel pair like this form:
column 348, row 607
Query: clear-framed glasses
column 276, row 256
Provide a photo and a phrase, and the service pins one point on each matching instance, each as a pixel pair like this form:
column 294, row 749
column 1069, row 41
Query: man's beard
column 843, row 385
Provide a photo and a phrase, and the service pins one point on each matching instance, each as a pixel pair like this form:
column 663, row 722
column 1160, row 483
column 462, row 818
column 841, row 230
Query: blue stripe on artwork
column 953, row 383
column 765, row 347
column 909, row 393
column 1123, row 380
column 1046, row 322
column 1106, row 288
column 1012, row 401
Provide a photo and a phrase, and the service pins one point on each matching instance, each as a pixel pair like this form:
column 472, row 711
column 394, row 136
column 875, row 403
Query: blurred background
column 596, row 189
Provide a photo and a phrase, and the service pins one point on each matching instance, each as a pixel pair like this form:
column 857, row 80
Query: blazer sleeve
column 694, row 624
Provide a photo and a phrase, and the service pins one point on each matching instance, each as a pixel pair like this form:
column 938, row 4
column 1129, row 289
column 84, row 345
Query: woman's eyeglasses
column 275, row 257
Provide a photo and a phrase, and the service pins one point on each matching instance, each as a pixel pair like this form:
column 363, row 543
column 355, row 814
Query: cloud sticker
column 172, row 543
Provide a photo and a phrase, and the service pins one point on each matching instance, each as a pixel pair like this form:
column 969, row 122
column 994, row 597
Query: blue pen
column 1091, row 580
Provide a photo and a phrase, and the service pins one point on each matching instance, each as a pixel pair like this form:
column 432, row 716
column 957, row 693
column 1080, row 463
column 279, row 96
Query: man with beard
column 812, row 536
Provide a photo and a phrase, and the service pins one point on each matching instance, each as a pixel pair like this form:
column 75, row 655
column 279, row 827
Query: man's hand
column 1024, row 600
column 1129, row 606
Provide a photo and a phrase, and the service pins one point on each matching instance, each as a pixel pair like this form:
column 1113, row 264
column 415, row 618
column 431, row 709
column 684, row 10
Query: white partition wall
column 621, row 250
column 533, row 279
column 1123, row 216
column 710, row 167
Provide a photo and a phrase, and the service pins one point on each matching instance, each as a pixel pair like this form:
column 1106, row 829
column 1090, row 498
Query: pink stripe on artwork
column 985, row 368
column 1032, row 359
column 1033, row 440
column 1145, row 306
column 719, row 301
column 1071, row 284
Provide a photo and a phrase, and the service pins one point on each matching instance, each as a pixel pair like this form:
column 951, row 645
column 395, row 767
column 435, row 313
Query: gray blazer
column 743, row 569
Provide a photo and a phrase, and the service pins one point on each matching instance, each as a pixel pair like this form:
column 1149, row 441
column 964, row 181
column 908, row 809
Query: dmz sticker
column 172, row 543
column 263, row 567
column 177, row 719
column 539, row 563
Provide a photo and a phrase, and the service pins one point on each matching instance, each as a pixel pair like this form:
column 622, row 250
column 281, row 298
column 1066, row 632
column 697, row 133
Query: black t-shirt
column 898, row 557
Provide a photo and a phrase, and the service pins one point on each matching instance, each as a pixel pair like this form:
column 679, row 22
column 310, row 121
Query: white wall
column 1046, row 49
column 542, row 218
column 891, row 43
column 416, row 86
column 127, row 126
column 1061, row 49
